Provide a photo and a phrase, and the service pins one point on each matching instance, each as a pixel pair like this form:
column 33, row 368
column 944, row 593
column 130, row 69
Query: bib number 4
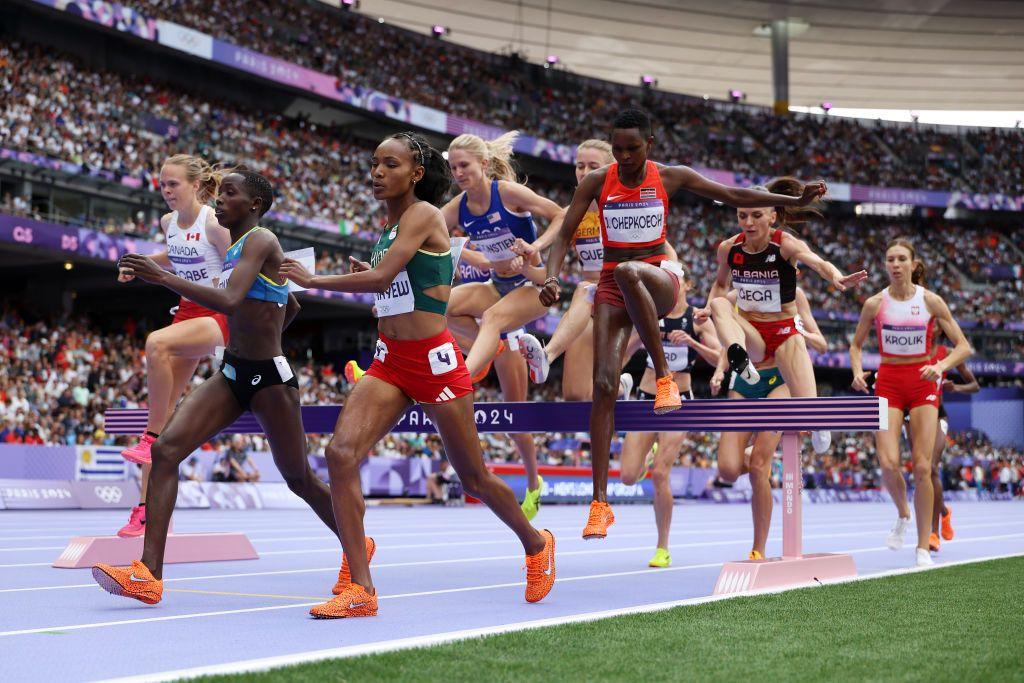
column 443, row 358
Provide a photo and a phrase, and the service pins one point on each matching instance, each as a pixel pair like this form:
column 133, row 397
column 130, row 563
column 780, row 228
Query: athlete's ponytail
column 917, row 272
column 789, row 216
column 496, row 154
column 197, row 168
column 437, row 179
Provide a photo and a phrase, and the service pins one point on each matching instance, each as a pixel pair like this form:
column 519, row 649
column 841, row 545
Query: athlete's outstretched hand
column 293, row 270
column 142, row 267
column 679, row 337
column 357, row 266
column 510, row 268
column 860, row 382
column 550, row 293
column 701, row 315
column 845, row 282
column 813, row 191
column 123, row 276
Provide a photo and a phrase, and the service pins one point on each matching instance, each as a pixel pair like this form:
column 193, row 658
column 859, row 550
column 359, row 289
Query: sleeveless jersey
column 190, row 252
column 494, row 233
column 633, row 217
column 262, row 288
column 680, row 357
column 905, row 328
column 424, row 270
column 763, row 281
column 588, row 242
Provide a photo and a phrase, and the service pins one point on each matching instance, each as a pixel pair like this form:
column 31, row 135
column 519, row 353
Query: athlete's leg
column 939, row 505
column 515, row 309
column 203, row 413
column 573, row 323
column 455, row 424
column 924, row 422
column 669, row 444
column 278, row 411
column 765, row 444
column 578, row 365
column 795, row 367
column 370, row 412
column 467, row 303
column 512, row 377
column 635, row 448
column 193, row 338
column 612, row 327
column 733, row 328
column 887, row 444
column 649, row 293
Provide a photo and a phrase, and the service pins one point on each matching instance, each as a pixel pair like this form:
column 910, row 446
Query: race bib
column 512, row 338
column 757, row 294
column 397, row 298
column 443, row 359
column 635, row 222
column 591, row 253
column 496, row 244
column 381, row 351
column 904, row 340
column 677, row 357
column 225, row 275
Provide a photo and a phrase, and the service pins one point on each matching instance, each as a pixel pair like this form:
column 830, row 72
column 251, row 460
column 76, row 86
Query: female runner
column 760, row 263
column 905, row 315
column 417, row 360
column 632, row 196
column 683, row 341
column 494, row 210
column 574, row 335
column 196, row 244
column 736, row 454
column 255, row 376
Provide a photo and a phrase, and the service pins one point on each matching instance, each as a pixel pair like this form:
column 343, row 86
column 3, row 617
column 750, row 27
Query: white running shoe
column 895, row 538
column 536, row 358
column 924, row 558
column 625, row 386
column 821, row 441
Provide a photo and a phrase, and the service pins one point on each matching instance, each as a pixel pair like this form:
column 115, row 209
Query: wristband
column 551, row 280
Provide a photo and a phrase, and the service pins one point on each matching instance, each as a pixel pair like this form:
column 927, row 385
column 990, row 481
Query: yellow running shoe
column 531, row 502
column 661, row 559
column 353, row 373
column 755, row 555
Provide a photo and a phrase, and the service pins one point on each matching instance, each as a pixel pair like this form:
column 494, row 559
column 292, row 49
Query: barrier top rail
column 847, row 413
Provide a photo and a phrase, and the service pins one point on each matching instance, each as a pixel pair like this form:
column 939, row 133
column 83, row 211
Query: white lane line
column 492, row 558
column 265, row 663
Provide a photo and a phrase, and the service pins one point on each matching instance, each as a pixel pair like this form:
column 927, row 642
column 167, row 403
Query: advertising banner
column 106, row 494
column 35, row 494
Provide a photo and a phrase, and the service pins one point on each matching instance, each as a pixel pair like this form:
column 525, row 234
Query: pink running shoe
column 139, row 453
column 136, row 525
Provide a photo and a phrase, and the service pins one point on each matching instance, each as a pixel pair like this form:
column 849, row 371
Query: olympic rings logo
column 108, row 494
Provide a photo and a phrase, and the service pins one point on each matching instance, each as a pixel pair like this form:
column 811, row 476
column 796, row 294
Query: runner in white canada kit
column 196, row 244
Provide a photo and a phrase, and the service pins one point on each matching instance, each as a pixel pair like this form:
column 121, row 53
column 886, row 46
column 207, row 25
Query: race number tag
column 443, row 359
column 758, row 294
column 677, row 357
column 381, row 351
column 635, row 222
column 397, row 298
column 306, row 259
column 496, row 245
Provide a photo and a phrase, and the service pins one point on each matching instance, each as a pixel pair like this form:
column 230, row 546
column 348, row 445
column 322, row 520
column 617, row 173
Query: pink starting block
column 793, row 568
column 85, row 551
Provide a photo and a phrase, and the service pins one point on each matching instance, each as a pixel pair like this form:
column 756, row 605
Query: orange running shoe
column 947, row 524
column 667, row 397
column 135, row 582
column 933, row 542
column 344, row 574
column 482, row 375
column 352, row 601
column 540, row 570
column 600, row 519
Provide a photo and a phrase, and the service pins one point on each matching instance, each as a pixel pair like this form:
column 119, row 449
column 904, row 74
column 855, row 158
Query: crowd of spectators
column 360, row 51
column 58, row 376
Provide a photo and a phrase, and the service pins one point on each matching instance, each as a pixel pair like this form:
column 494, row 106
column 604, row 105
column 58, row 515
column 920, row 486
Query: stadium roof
column 897, row 54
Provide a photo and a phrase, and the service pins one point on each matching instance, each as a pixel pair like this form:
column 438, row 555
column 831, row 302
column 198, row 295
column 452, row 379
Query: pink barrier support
column 86, row 551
